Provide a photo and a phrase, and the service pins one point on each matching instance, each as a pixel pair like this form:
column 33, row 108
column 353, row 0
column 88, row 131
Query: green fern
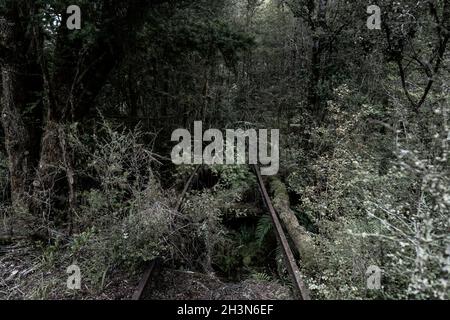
column 263, row 228
column 261, row 276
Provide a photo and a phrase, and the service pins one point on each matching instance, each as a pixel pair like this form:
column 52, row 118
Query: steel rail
column 149, row 273
column 292, row 267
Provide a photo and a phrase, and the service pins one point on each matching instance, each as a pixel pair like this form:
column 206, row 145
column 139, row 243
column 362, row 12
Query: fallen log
column 302, row 240
column 291, row 265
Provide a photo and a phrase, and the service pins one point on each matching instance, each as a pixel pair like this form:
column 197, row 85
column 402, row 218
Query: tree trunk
column 317, row 25
column 35, row 144
column 16, row 135
column 21, row 102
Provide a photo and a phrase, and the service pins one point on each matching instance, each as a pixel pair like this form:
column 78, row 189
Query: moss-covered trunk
column 302, row 240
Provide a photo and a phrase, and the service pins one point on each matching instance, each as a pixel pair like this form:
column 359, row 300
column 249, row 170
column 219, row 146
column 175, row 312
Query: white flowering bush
column 125, row 219
column 416, row 227
column 378, row 194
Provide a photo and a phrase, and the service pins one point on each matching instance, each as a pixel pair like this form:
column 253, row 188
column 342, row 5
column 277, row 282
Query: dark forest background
column 87, row 116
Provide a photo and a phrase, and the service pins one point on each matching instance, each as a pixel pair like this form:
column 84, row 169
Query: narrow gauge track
column 302, row 291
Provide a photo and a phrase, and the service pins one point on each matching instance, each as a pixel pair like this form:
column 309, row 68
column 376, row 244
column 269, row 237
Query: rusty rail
column 300, row 286
column 149, row 273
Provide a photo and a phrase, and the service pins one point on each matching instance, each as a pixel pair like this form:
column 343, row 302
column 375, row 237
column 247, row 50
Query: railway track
column 291, row 265
column 302, row 291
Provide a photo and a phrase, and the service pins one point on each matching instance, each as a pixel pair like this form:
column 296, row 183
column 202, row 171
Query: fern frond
column 263, row 228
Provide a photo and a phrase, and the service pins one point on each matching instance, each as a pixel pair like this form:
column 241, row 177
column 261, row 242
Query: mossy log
column 302, row 240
